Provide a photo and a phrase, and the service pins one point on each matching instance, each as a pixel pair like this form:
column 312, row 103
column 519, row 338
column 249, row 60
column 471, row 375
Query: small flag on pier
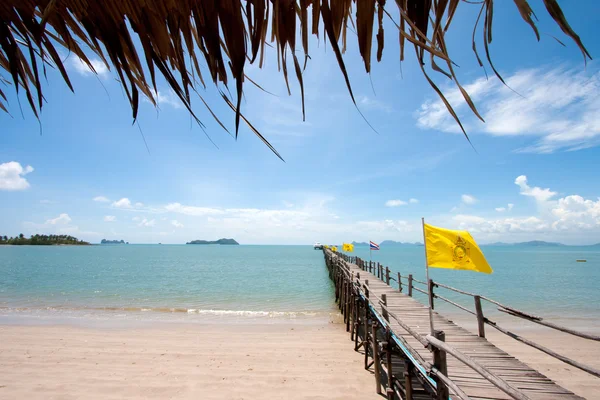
column 349, row 247
column 373, row 246
column 334, row 249
column 453, row 250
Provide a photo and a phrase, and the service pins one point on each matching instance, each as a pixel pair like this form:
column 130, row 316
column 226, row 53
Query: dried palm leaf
column 227, row 34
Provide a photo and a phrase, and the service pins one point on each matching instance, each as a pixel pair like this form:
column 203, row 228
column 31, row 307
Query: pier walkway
column 392, row 329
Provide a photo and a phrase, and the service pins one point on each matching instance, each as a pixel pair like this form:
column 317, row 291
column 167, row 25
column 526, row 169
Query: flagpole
column 427, row 273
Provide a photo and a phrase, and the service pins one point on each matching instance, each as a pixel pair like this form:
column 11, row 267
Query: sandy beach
column 194, row 361
column 224, row 360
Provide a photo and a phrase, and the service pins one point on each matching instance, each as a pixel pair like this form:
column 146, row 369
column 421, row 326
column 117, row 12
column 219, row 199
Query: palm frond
column 227, row 34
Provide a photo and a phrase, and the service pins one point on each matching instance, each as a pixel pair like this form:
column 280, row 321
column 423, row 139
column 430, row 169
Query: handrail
column 551, row 325
column 407, row 328
column 418, row 281
column 420, row 290
column 437, row 296
column 450, row 383
column 567, row 360
column 481, row 370
column 522, row 314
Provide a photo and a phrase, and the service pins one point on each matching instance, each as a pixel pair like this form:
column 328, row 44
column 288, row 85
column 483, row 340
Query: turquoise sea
column 193, row 283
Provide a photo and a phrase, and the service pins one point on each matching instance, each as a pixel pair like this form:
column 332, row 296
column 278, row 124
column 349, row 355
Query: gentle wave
column 171, row 310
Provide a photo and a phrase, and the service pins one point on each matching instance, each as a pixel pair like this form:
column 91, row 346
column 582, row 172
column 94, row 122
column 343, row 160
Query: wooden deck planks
column 516, row 373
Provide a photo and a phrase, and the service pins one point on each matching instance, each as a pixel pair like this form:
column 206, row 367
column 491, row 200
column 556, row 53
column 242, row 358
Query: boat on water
column 318, row 246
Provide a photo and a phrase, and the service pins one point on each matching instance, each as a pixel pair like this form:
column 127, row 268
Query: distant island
column 539, row 243
column 105, row 241
column 41, row 240
column 220, row 241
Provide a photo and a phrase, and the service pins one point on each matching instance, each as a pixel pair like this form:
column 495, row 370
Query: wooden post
column 356, row 323
column 431, row 296
column 480, row 319
column 354, row 315
column 410, row 285
column 366, row 332
column 387, row 275
column 399, row 282
column 388, row 360
column 439, row 361
column 367, row 290
column 348, row 305
column 408, row 371
column 376, row 366
column 384, row 310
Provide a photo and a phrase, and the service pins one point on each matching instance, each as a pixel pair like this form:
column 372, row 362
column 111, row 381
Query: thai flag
column 373, row 246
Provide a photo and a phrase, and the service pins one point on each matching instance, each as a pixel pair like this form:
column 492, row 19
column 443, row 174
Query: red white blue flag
column 373, row 246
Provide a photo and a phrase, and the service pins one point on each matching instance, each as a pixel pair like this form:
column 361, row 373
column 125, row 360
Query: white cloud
column 539, row 194
column 468, row 199
column 507, row 208
column 101, row 199
column 136, row 219
column 557, row 106
column 191, row 210
column 366, row 102
column 110, row 218
column 139, row 205
column 413, row 201
column 147, row 222
column 571, row 219
column 176, row 224
column 165, row 98
column 124, row 203
column 12, row 176
column 575, row 212
column 395, row 203
column 478, row 224
column 83, row 69
column 62, row 219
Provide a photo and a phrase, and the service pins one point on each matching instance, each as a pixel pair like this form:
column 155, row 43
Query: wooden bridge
column 392, row 329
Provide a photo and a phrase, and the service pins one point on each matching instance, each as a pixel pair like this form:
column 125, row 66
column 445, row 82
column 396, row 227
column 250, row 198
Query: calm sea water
column 193, row 282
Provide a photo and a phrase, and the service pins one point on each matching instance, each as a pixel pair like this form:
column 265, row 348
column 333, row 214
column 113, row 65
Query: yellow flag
column 333, row 248
column 454, row 250
column 349, row 247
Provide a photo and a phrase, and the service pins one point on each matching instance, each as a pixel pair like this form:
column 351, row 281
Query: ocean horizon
column 194, row 283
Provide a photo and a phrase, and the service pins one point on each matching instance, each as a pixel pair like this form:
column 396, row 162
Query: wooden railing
column 355, row 295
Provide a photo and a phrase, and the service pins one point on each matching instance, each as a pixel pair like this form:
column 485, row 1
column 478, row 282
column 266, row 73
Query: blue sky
column 84, row 168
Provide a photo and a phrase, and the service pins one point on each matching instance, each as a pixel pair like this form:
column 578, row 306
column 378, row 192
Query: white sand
column 182, row 362
column 226, row 361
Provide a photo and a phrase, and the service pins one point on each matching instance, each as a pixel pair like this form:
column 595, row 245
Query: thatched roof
column 228, row 34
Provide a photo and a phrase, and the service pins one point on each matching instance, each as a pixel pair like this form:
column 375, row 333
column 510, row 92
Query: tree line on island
column 220, row 241
column 41, row 240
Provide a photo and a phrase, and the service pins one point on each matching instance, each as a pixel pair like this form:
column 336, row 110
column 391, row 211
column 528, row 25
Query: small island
column 42, row 240
column 105, row 241
column 220, row 241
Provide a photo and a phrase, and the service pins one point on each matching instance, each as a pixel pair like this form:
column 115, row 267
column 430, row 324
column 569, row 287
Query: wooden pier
column 392, row 329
